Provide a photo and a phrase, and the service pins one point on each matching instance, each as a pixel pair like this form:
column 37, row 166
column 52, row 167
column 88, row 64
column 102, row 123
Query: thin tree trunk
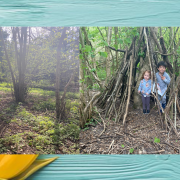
column 7, row 58
column 59, row 58
column 23, row 45
column 108, row 63
column 81, row 74
column 116, row 37
column 172, row 85
column 62, row 114
column 129, row 90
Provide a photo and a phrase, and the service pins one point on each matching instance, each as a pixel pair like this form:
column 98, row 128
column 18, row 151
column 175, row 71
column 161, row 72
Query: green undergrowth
column 41, row 92
column 44, row 134
column 35, row 124
column 89, row 123
column 5, row 87
column 50, row 104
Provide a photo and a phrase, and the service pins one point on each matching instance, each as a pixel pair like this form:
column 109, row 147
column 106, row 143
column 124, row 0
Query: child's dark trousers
column 146, row 102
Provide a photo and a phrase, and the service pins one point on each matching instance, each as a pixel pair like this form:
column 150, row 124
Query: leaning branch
column 87, row 62
column 91, row 101
column 120, row 50
column 163, row 54
column 130, row 83
column 155, row 39
column 173, row 39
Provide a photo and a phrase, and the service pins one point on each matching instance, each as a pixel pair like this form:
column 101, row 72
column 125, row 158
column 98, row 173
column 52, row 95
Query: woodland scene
column 39, row 90
column 112, row 62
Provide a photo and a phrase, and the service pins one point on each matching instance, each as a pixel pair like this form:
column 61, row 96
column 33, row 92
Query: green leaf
column 86, row 128
column 105, row 43
column 156, row 140
column 176, row 73
column 122, row 145
column 80, row 46
column 92, row 55
column 87, row 48
column 104, row 54
column 90, row 35
column 131, row 150
column 82, row 80
column 116, row 46
column 127, row 41
column 138, row 64
column 80, row 56
column 93, row 70
column 89, row 87
column 86, row 76
column 120, row 41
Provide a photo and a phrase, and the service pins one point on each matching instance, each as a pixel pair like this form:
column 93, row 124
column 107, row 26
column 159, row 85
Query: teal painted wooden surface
column 89, row 13
column 110, row 167
column 98, row 13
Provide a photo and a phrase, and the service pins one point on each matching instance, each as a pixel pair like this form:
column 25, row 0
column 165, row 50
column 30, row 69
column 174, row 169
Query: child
column 163, row 80
column 145, row 90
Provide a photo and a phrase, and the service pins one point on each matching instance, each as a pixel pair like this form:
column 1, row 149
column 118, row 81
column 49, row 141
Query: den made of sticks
column 113, row 63
column 39, row 90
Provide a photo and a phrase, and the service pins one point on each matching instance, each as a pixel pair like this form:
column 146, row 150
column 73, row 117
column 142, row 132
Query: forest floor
column 30, row 127
column 144, row 135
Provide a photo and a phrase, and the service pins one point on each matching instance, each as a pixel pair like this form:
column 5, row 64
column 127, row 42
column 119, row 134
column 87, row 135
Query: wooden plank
column 89, row 13
column 98, row 13
column 115, row 167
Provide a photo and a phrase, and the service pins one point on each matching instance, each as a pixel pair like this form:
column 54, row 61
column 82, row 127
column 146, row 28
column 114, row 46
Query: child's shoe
column 144, row 111
column 148, row 111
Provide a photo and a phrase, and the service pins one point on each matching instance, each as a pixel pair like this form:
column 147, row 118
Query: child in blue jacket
column 145, row 90
column 163, row 80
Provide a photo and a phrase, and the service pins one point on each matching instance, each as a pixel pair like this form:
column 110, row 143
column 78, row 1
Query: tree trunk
column 22, row 64
column 172, row 84
column 108, row 63
column 20, row 88
column 59, row 58
column 116, row 37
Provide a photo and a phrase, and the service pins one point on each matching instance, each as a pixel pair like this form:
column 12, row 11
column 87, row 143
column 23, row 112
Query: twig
column 143, row 127
column 173, row 39
column 96, row 120
column 92, row 100
column 155, row 152
column 101, row 33
column 163, row 54
column 111, row 145
column 114, row 108
column 103, row 124
column 178, row 106
column 129, row 87
column 170, row 145
column 172, row 125
column 150, row 62
column 113, row 148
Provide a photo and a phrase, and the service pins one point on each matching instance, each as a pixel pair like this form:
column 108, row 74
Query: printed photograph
column 129, row 90
column 39, row 90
